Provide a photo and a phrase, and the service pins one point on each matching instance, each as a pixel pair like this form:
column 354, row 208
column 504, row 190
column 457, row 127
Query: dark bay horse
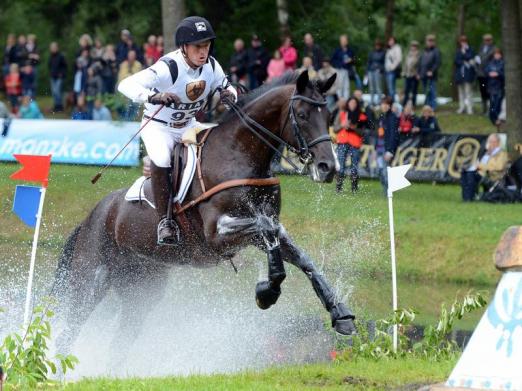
column 115, row 246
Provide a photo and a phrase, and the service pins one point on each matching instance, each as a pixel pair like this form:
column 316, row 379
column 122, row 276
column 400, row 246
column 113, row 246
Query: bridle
column 303, row 147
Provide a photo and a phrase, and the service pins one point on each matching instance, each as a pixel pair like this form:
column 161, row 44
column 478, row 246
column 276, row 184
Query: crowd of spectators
column 96, row 70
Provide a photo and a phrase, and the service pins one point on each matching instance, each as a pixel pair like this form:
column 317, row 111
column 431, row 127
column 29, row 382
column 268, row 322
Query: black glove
column 227, row 95
column 164, row 98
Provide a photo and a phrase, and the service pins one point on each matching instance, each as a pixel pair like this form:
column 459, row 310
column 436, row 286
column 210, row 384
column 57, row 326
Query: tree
column 512, row 44
column 282, row 16
column 172, row 12
column 390, row 9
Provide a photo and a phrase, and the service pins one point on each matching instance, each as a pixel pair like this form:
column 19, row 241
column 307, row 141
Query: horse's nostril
column 323, row 166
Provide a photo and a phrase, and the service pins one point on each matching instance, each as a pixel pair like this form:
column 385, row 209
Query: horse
column 115, row 246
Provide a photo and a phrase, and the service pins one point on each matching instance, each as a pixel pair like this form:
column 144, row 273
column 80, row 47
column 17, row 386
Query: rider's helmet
column 193, row 30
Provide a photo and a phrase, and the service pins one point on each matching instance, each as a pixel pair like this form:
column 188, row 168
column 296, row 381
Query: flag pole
column 33, row 259
column 394, row 268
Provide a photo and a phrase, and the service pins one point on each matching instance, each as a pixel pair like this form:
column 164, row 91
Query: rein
column 302, row 151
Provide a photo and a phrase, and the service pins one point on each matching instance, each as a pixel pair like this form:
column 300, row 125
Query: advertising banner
column 77, row 142
column 436, row 157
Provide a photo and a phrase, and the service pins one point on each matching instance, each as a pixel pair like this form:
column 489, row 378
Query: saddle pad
column 140, row 189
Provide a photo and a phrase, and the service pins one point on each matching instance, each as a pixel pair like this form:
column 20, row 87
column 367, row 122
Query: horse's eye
column 301, row 115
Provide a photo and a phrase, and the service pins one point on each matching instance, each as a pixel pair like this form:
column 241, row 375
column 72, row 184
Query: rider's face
column 197, row 54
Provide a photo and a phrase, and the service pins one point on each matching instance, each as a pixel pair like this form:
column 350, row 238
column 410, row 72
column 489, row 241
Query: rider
column 182, row 80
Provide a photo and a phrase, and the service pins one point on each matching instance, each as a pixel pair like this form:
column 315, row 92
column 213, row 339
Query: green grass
column 356, row 375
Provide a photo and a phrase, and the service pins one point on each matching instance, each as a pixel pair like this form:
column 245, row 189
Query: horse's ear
column 325, row 86
column 302, row 82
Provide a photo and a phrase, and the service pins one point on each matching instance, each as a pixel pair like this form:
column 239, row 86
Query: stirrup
column 168, row 232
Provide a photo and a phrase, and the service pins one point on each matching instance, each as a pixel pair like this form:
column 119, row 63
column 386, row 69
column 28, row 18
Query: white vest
column 192, row 86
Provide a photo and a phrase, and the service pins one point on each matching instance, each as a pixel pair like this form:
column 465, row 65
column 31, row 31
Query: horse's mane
column 244, row 99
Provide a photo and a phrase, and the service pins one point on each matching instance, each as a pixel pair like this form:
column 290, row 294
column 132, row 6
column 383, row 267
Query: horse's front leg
column 263, row 231
column 342, row 317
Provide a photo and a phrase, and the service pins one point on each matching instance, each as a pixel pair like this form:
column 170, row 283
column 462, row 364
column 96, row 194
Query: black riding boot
column 355, row 183
column 340, row 180
column 168, row 230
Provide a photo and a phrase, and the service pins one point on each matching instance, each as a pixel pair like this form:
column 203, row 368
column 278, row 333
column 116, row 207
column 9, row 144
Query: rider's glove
column 226, row 96
column 164, row 98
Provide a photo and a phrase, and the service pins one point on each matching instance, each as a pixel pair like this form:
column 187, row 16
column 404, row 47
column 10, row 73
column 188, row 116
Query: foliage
column 26, row 360
column 375, row 342
column 65, row 20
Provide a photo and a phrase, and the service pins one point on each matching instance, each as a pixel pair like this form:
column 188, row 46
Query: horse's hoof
column 343, row 320
column 266, row 295
column 345, row 327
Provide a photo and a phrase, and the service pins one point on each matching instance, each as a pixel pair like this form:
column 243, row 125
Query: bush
column 25, row 360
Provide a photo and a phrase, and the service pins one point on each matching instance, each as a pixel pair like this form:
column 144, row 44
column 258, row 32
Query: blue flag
column 26, row 202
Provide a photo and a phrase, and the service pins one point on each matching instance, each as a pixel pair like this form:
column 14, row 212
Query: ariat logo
column 195, row 89
column 201, row 26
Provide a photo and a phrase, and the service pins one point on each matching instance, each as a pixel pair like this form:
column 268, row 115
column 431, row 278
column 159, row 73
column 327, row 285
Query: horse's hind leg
column 342, row 317
column 85, row 291
column 140, row 288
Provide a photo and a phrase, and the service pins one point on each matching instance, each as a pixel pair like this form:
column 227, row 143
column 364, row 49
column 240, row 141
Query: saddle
column 186, row 161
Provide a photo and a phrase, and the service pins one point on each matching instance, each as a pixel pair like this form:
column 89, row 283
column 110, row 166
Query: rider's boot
column 168, row 230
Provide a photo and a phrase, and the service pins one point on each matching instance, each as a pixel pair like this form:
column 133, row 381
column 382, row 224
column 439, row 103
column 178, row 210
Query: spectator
column 4, row 112
column 429, row 64
column 100, row 112
column 485, row 55
column 344, row 58
column 239, row 62
column 326, row 71
column 97, row 50
column 21, row 53
column 308, row 66
column 495, row 72
column 464, row 74
column 57, row 72
column 152, row 51
column 411, row 74
column 93, row 88
column 80, row 76
column 129, row 66
column 109, row 69
column 85, row 43
column 276, row 66
column 406, row 122
column 13, row 86
column 387, row 140
column 426, row 123
column 160, row 45
column 28, row 79
column 34, row 56
column 29, row 109
column 375, row 71
column 258, row 59
column 491, row 168
column 313, row 51
column 80, row 111
column 9, row 53
column 349, row 126
column 125, row 46
column 392, row 65
column 289, row 54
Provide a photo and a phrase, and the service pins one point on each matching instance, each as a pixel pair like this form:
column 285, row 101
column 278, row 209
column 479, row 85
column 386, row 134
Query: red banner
column 35, row 168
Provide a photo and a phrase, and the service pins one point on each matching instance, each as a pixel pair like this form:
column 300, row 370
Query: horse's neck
column 239, row 153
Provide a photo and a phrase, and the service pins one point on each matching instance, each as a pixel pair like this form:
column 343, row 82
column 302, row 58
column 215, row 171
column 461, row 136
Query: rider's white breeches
column 160, row 139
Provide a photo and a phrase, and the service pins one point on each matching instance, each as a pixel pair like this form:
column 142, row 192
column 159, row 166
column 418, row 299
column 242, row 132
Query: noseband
column 303, row 147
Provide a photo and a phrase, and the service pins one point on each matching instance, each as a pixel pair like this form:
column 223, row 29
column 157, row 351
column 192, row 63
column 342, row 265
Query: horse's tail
column 64, row 263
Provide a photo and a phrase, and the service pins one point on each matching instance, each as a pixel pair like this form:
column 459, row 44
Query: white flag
column 397, row 179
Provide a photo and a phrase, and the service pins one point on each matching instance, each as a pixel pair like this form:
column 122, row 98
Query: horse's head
column 308, row 127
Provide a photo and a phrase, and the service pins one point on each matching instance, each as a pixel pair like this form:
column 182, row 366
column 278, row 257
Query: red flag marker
column 35, row 168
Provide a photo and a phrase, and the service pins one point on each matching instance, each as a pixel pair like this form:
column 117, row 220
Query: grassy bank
column 438, row 237
column 406, row 374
